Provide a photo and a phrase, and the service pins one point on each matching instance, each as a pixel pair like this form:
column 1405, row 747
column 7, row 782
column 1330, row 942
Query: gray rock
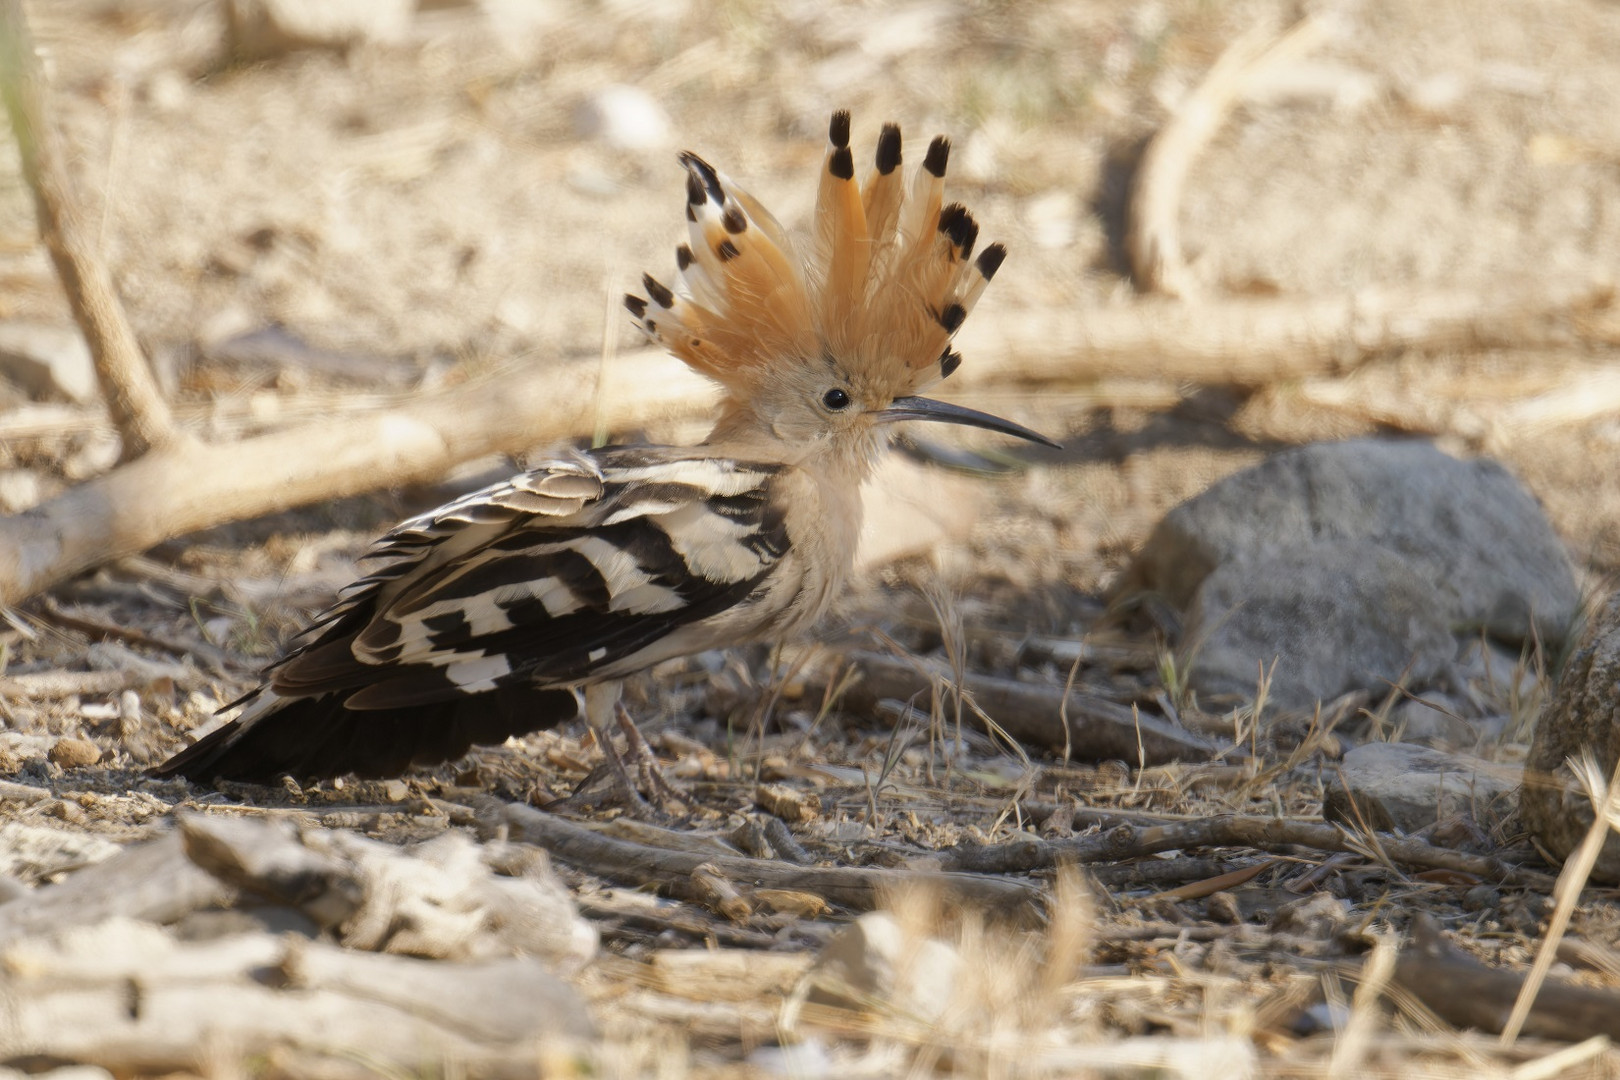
column 1507, row 676
column 1582, row 717
column 1395, row 786
column 875, row 961
column 1436, row 720
column 49, row 362
column 1336, row 616
column 1467, row 526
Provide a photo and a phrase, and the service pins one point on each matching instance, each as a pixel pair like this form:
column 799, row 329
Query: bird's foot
column 653, row 782
column 631, row 781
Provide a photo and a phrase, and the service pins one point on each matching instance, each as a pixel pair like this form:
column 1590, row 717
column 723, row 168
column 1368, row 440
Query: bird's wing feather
column 545, row 579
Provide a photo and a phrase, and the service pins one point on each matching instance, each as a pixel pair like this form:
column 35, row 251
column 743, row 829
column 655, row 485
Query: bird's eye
column 835, row 399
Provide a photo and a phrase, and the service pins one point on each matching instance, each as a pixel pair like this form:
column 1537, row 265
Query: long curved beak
column 921, row 408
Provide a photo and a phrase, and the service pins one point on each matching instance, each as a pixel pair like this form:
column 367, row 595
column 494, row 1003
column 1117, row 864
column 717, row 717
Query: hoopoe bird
column 517, row 607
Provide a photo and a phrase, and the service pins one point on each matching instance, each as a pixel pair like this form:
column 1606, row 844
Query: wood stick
column 1099, row 729
column 1464, row 992
column 154, row 881
column 185, row 485
column 1131, row 840
column 1249, row 342
column 133, row 399
column 860, row 888
column 1153, row 240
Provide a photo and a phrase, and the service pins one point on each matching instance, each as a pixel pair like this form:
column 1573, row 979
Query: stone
column 266, row 29
column 1318, row 916
column 71, row 753
column 876, row 961
column 49, row 362
column 20, row 489
column 624, row 118
column 1468, row 527
column 1436, row 720
column 1336, row 617
column 1582, row 717
column 1394, row 786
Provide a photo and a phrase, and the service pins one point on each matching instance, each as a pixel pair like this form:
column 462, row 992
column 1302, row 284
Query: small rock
column 875, row 960
column 1439, row 95
column 1318, row 916
column 20, row 489
column 1467, row 527
column 71, row 753
column 49, row 362
column 265, row 29
column 1582, row 718
column 1053, row 219
column 1401, row 787
column 624, row 118
column 1433, row 719
column 806, row 1060
column 789, row 804
column 1222, row 908
column 1335, row 617
column 1506, row 675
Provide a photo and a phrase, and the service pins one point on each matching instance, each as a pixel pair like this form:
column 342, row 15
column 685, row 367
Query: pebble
column 72, row 753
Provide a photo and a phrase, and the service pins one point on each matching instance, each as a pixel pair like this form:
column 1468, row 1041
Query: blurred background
column 319, row 207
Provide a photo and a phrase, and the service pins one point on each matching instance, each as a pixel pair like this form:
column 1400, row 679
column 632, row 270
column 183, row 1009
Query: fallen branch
column 187, row 485
column 153, row 882
column 133, row 399
column 142, row 1002
column 1099, row 729
column 1464, row 992
column 1152, row 238
column 1253, row 341
column 859, row 888
column 1130, row 840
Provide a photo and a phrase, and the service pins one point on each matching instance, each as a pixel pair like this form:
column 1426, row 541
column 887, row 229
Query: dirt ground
column 433, row 209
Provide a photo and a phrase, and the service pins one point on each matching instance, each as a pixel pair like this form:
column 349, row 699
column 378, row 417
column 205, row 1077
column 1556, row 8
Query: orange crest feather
column 889, row 282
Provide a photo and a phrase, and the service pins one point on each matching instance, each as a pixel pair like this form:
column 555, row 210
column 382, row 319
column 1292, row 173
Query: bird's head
column 819, row 349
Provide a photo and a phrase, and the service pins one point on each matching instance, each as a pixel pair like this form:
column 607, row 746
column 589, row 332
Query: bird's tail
column 318, row 738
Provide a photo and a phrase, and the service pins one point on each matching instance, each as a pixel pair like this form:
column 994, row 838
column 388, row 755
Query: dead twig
column 1464, row 992
column 1096, row 730
column 133, row 399
column 860, row 888
column 153, row 882
column 1153, row 240
column 220, row 660
column 1128, row 840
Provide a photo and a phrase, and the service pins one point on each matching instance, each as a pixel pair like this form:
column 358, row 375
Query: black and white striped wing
column 549, row 579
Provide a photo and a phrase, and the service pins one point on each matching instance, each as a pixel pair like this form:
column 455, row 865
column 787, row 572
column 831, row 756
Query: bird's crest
column 881, row 284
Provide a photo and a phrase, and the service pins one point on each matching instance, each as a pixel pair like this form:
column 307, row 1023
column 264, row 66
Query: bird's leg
column 601, row 701
column 637, row 750
column 602, row 707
